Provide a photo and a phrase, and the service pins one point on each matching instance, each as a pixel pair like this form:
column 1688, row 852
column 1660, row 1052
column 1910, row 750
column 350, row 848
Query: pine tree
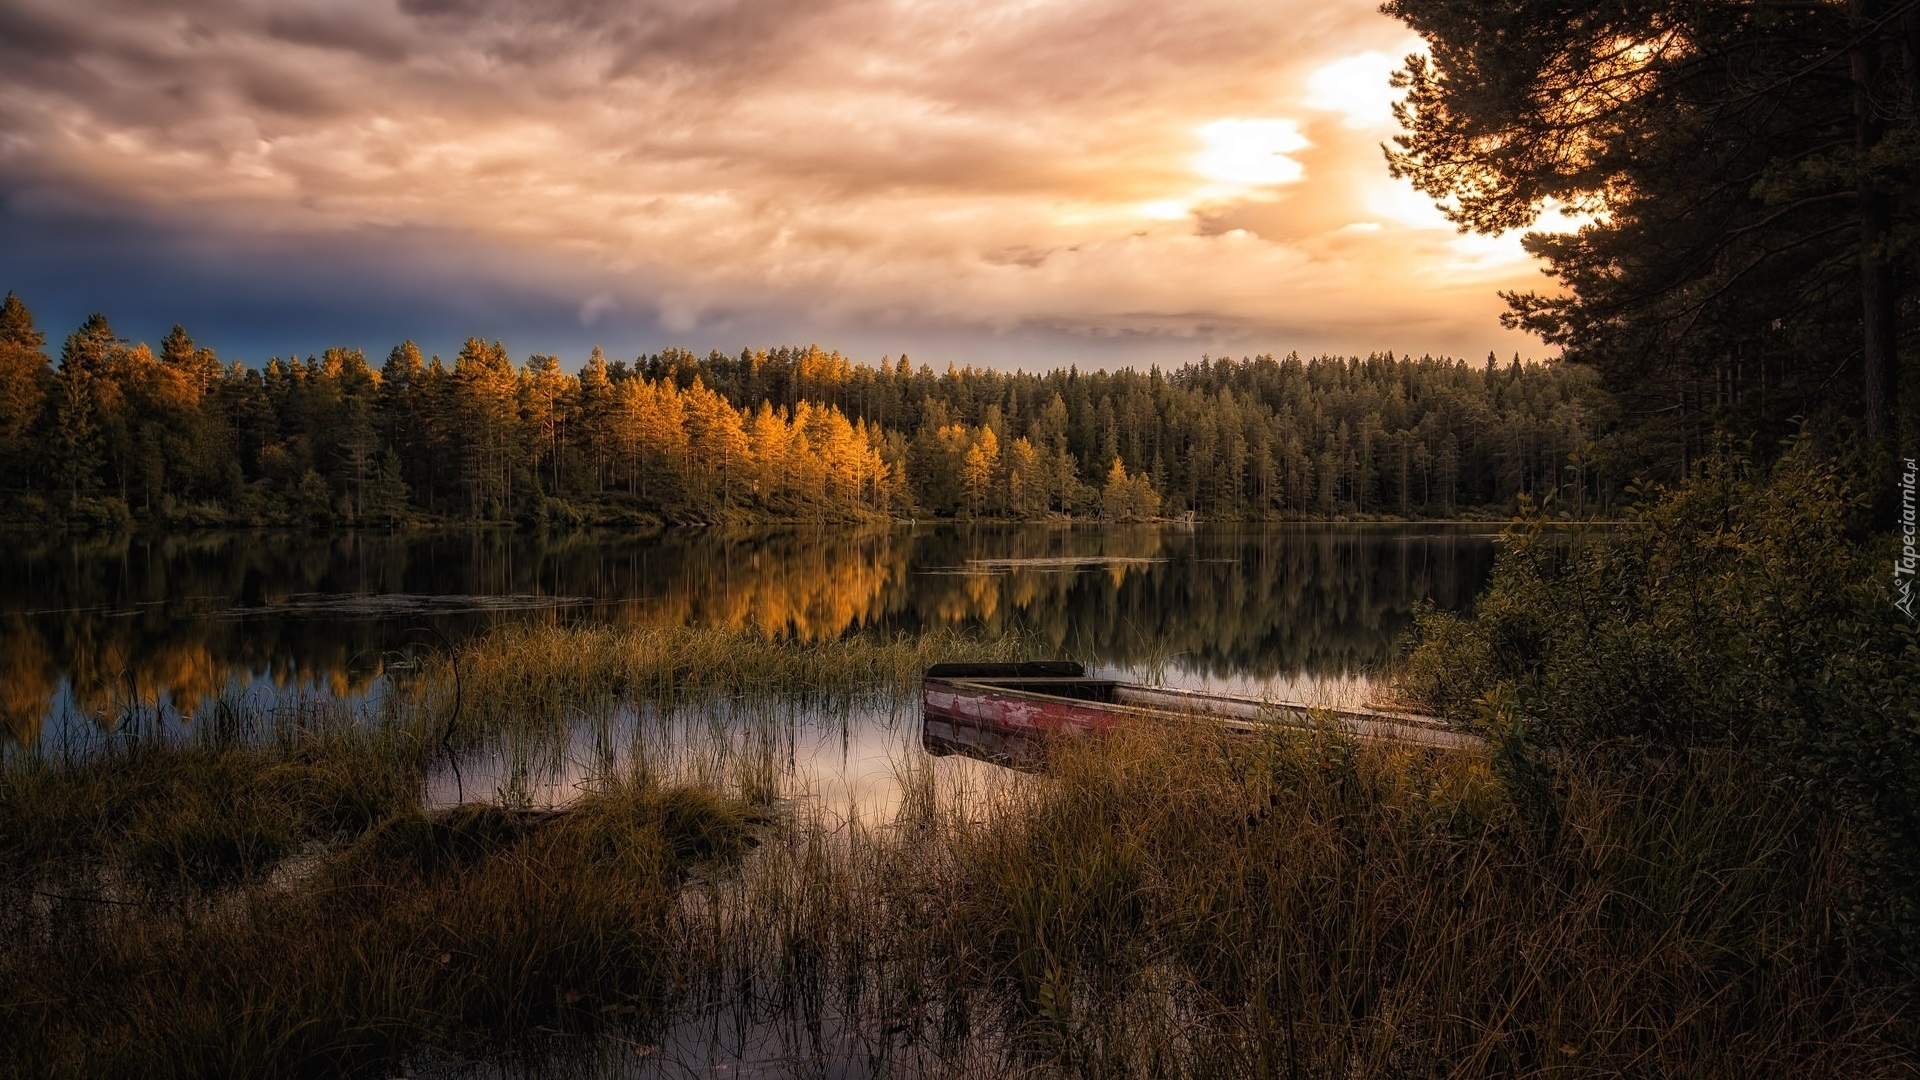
column 26, row 380
column 1751, row 170
column 547, row 400
column 597, row 404
column 78, row 442
column 485, row 387
column 982, row 462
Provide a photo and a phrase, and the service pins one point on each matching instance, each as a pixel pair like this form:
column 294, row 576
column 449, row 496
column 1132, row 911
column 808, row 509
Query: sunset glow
column 1251, row 153
column 1096, row 181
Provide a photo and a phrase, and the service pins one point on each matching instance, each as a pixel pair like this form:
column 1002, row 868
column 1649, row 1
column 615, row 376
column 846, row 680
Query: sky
column 1010, row 183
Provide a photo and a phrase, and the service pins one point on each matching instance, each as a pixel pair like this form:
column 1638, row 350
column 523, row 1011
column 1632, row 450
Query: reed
column 1159, row 904
column 545, row 677
column 428, row 936
column 267, row 893
column 263, row 888
column 152, row 811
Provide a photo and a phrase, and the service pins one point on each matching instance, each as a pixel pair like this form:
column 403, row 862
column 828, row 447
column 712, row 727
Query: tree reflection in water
column 95, row 626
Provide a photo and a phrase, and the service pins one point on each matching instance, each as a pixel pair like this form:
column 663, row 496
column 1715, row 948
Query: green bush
column 99, row 514
column 1746, row 609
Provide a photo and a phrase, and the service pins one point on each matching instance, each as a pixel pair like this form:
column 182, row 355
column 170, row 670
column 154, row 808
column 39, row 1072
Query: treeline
column 115, row 430
column 1259, row 437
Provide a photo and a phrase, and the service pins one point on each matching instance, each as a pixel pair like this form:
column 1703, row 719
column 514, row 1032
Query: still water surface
column 88, row 626
column 91, row 629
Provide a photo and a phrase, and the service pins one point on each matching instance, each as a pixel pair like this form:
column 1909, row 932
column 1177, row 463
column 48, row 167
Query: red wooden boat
column 1002, row 711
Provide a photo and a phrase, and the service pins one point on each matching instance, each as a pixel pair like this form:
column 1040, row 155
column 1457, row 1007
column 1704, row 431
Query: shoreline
column 152, row 529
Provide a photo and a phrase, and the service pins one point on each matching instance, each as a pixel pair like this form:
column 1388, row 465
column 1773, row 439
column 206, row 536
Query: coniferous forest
column 101, row 430
column 657, row 803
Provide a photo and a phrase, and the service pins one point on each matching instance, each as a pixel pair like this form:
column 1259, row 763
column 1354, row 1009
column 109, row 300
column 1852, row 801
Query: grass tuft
column 264, row 897
column 1160, row 902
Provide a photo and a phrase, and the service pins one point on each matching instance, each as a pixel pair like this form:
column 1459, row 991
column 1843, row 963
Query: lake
column 93, row 631
column 90, row 627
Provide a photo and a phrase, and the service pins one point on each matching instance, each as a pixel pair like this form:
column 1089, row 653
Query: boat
column 1006, row 711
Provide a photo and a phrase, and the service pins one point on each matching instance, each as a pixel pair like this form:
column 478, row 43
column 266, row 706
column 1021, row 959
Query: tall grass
column 153, row 810
column 264, row 890
column 468, row 933
column 273, row 896
column 543, row 677
column 1160, row 904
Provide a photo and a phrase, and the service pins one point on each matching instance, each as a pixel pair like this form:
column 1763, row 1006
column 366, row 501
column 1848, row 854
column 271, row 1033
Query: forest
column 115, row 433
column 1687, row 846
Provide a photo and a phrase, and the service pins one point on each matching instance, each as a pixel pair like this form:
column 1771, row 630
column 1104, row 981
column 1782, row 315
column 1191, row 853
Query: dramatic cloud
column 988, row 180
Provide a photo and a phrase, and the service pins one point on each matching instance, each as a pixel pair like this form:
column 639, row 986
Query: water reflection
column 847, row 764
column 94, row 627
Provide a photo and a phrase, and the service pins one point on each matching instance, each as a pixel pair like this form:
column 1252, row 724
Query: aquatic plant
column 533, row 677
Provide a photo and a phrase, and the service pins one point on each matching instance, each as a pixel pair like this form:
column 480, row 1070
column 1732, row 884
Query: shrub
column 1745, row 610
column 106, row 514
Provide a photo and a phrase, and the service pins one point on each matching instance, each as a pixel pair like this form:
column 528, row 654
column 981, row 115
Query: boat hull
column 1008, row 712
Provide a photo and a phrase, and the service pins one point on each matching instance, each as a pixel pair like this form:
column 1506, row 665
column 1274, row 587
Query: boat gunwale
column 1144, row 711
column 999, row 685
column 1344, row 719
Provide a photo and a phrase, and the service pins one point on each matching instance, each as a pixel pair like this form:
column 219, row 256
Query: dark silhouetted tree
column 1753, row 167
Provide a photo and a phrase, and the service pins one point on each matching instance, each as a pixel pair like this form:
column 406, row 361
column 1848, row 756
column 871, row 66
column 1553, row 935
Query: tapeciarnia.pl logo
column 1904, row 566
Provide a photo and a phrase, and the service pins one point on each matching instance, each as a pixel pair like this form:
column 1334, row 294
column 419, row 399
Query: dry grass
column 263, row 891
column 469, row 932
column 542, row 677
column 1162, row 905
column 269, row 896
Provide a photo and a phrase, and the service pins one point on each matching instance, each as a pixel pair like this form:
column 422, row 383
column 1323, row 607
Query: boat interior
column 1066, row 679
column 1055, row 678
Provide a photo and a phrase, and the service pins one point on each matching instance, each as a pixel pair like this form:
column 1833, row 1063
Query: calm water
column 88, row 624
column 88, row 628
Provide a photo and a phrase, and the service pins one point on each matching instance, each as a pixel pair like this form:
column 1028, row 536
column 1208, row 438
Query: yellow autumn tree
column 1026, row 485
column 1128, row 497
column 718, row 447
column 548, row 399
column 486, row 390
column 976, row 474
column 770, row 438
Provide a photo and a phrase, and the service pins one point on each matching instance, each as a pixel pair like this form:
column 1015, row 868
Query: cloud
column 595, row 307
column 1358, row 88
column 1250, row 153
column 1040, row 169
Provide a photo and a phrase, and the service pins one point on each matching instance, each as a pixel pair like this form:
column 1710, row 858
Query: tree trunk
column 1878, row 299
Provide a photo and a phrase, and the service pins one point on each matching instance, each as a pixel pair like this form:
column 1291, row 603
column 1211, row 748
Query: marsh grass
column 273, row 895
column 1162, row 904
column 477, row 930
column 157, row 811
column 260, row 889
column 545, row 677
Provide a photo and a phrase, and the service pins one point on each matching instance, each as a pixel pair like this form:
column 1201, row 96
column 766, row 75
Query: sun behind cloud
column 1250, row 153
column 1171, row 177
column 1358, row 87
